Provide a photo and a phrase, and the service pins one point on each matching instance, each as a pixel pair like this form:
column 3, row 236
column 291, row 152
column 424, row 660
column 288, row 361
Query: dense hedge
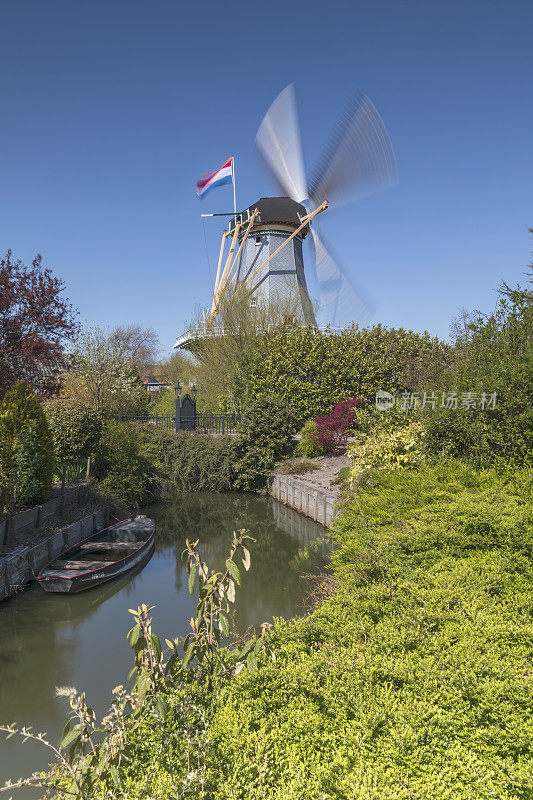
column 26, row 449
column 265, row 437
column 493, row 355
column 124, row 473
column 412, row 682
column 312, row 370
column 76, row 430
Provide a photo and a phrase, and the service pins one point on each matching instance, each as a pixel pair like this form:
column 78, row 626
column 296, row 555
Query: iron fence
column 201, row 423
column 167, row 421
column 217, row 423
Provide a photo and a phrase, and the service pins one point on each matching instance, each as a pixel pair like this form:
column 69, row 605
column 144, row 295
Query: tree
column 520, row 295
column 75, row 430
column 26, row 452
column 223, row 345
column 102, row 376
column 140, row 345
column 177, row 367
column 34, row 319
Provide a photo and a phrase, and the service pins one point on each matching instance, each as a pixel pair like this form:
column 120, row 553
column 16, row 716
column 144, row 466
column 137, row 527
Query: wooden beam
column 215, row 289
column 223, row 287
column 230, row 254
column 304, row 221
column 244, row 238
column 105, row 546
column 227, row 269
column 223, row 242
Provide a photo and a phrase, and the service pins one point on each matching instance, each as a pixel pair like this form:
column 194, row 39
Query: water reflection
column 47, row 640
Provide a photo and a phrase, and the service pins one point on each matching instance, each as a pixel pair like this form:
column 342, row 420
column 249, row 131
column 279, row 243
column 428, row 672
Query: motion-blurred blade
column 278, row 140
column 359, row 159
column 340, row 303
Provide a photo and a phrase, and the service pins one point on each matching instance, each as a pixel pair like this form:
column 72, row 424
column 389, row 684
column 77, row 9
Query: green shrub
column 75, row 429
column 492, row 354
column 26, row 453
column 265, row 437
column 312, row 370
column 386, row 448
column 412, row 680
column 204, row 463
column 462, row 434
column 187, row 461
column 123, row 473
column 307, row 445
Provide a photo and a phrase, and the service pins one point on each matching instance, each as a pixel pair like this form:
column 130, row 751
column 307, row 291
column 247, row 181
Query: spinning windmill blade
column 340, row 303
column 279, row 142
column 358, row 161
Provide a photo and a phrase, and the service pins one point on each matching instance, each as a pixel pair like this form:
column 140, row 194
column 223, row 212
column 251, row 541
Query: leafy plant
column 312, row 370
column 124, row 474
column 203, row 463
column 96, row 758
column 265, row 437
column 26, row 454
column 307, row 446
column 333, row 429
column 386, row 449
column 212, row 622
column 76, row 431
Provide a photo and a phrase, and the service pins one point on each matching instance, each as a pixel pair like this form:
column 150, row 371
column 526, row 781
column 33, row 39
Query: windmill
column 265, row 252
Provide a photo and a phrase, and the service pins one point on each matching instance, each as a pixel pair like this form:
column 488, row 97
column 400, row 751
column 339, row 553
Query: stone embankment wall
column 319, row 504
column 21, row 564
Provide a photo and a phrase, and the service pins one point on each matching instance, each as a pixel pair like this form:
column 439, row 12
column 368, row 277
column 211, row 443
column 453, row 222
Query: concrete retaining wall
column 300, row 527
column 20, row 567
column 318, row 504
column 38, row 516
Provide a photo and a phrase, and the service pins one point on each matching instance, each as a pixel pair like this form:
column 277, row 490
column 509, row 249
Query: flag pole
column 234, row 196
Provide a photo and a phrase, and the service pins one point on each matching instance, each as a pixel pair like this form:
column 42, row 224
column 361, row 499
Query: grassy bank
column 412, row 680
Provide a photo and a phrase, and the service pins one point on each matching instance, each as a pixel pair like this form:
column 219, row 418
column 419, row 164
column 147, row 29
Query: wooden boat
column 102, row 556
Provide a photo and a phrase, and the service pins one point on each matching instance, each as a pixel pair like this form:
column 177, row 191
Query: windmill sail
column 359, row 160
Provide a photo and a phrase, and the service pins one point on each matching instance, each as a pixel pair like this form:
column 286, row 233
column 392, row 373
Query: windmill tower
column 269, row 260
column 265, row 252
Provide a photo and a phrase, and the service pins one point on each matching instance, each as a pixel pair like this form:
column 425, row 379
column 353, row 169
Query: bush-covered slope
column 414, row 680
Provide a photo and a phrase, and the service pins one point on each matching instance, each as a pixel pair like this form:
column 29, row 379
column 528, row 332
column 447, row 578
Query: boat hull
column 79, row 583
column 56, row 578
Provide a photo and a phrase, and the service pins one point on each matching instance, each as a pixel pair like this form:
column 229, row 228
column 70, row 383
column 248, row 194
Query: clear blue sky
column 111, row 111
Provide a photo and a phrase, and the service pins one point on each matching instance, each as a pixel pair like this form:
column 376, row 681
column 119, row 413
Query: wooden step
column 110, row 546
column 79, row 564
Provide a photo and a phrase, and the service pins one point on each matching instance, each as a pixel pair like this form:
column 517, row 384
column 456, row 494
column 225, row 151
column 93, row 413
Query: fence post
column 223, row 426
column 177, row 403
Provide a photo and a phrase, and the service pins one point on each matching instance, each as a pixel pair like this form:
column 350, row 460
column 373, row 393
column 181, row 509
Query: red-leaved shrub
column 334, row 428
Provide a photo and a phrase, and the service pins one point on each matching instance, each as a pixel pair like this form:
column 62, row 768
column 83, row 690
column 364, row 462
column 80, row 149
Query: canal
column 49, row 640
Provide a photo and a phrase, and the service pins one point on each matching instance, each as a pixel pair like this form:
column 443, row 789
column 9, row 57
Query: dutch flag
column 217, row 178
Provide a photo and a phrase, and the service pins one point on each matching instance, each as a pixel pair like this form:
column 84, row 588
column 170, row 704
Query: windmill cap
column 280, row 211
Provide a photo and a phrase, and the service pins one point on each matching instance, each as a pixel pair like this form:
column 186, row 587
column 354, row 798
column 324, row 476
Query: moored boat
column 100, row 557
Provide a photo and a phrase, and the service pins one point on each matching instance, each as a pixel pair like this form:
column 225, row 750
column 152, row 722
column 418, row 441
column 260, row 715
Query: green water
column 49, row 640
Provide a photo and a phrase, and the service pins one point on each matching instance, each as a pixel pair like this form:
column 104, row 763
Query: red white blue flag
column 217, row 178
